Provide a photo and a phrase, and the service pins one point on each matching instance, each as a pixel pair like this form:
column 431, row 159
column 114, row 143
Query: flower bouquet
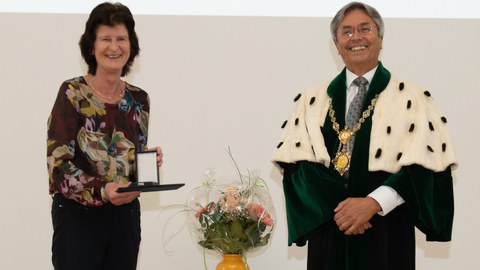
column 231, row 219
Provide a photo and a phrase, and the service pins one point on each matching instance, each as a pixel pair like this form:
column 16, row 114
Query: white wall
column 216, row 82
column 283, row 8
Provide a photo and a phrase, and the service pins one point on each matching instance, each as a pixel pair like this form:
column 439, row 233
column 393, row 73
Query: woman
column 97, row 124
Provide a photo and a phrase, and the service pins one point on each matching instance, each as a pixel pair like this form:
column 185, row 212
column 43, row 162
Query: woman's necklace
column 342, row 158
column 112, row 98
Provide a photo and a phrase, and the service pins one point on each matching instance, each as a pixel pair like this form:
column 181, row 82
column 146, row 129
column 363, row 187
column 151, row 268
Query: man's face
column 361, row 50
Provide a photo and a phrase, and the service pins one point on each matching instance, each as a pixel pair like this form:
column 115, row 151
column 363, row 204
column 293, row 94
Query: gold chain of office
column 341, row 162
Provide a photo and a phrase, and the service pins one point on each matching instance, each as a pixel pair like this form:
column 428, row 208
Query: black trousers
column 95, row 238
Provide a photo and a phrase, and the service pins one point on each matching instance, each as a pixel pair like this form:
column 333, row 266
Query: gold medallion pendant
column 341, row 161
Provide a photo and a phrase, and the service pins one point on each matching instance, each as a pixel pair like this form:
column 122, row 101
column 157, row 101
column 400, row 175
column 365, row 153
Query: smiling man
column 366, row 158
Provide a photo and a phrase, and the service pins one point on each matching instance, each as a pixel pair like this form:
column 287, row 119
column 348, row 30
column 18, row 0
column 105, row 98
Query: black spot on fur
column 280, row 144
column 427, row 94
column 379, row 153
column 284, row 124
column 409, row 104
column 444, row 119
column 399, row 156
column 297, row 144
column 296, row 121
column 312, row 100
column 389, row 129
column 401, row 86
column 297, row 98
column 444, row 147
column 412, row 127
column 430, row 125
column 430, row 148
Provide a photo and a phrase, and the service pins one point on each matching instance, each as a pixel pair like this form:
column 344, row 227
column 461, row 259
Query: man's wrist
column 376, row 207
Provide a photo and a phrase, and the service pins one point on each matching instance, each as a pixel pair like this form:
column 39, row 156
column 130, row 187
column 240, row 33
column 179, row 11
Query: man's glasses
column 364, row 30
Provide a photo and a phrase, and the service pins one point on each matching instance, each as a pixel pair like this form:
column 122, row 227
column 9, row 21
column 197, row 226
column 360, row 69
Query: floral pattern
column 91, row 143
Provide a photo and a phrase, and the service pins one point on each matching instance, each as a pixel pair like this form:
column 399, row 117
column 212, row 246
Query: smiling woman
column 112, row 53
column 98, row 122
column 111, row 48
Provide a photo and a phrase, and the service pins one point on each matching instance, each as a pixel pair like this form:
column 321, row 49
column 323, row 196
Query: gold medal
column 342, row 162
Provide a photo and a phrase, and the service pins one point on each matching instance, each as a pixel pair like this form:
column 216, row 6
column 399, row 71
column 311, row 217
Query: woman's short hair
column 108, row 14
column 372, row 12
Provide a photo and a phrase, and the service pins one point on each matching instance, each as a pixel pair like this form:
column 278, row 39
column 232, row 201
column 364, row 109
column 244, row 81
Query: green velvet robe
column 312, row 191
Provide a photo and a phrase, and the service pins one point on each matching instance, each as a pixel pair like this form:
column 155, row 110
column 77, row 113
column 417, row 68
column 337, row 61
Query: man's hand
column 353, row 214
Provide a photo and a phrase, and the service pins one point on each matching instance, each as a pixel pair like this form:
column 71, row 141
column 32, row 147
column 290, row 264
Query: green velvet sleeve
column 312, row 191
column 429, row 199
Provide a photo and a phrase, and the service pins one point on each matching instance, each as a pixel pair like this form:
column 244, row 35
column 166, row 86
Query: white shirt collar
column 352, row 76
column 353, row 89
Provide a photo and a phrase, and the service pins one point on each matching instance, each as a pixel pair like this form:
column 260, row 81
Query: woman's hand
column 127, row 197
column 120, row 198
column 159, row 155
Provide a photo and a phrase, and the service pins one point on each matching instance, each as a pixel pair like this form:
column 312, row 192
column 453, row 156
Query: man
column 356, row 186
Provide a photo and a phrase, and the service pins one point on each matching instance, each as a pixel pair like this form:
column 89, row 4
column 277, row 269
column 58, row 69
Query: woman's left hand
column 159, row 155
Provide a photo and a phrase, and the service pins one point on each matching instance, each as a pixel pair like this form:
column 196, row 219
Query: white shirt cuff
column 388, row 199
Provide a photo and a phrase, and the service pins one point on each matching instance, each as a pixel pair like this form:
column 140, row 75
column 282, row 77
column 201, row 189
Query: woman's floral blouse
column 91, row 142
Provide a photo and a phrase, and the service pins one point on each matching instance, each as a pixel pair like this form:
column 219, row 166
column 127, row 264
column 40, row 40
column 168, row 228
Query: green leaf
column 236, row 229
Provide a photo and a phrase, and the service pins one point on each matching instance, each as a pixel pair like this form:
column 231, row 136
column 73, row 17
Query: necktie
column 355, row 109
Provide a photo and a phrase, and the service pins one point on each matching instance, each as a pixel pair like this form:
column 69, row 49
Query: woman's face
column 111, row 48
